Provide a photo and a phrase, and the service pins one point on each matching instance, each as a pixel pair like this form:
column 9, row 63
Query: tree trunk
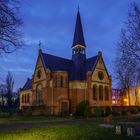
column 136, row 96
column 129, row 96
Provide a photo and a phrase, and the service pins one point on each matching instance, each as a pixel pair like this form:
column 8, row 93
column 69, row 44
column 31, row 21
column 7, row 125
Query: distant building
column 3, row 100
column 58, row 85
column 121, row 98
column 134, row 96
column 117, row 97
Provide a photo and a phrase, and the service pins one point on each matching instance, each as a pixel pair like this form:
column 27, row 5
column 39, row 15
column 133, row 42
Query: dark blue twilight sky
column 53, row 22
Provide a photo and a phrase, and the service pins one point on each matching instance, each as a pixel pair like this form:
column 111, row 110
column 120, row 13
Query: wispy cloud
column 53, row 23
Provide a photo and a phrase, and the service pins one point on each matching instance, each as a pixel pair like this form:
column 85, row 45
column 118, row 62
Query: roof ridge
column 92, row 57
column 56, row 56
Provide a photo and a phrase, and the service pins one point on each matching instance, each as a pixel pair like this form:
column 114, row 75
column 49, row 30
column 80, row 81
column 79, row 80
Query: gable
column 39, row 69
column 100, row 69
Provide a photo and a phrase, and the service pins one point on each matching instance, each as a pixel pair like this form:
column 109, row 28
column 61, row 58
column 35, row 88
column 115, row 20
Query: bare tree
column 123, row 76
column 136, row 83
column 130, row 42
column 127, row 62
column 10, row 23
column 3, row 91
column 9, row 86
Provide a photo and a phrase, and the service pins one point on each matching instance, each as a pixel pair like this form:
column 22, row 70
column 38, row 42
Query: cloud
column 53, row 23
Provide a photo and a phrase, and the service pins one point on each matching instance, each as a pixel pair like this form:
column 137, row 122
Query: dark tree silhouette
column 10, row 23
column 130, row 41
column 9, row 86
column 3, row 91
column 127, row 62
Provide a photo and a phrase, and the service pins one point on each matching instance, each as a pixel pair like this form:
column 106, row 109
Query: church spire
column 78, row 34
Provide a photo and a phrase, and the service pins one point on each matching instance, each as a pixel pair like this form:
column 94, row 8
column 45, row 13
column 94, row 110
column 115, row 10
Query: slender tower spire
column 78, row 50
column 78, row 34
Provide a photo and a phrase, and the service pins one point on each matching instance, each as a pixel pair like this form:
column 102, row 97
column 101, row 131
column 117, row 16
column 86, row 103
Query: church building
column 58, row 85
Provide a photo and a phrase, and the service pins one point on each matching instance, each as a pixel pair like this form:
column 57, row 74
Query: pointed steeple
column 78, row 34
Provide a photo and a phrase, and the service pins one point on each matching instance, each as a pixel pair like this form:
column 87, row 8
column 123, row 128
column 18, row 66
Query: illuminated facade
column 134, row 96
column 117, row 99
column 58, row 85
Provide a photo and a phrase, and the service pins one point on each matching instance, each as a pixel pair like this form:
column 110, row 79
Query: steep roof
column 78, row 34
column 90, row 62
column 55, row 63
column 28, row 85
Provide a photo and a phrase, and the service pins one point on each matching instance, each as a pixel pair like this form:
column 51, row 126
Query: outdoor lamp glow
column 125, row 99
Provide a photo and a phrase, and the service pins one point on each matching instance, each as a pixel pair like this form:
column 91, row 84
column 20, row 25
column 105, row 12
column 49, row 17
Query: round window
column 100, row 75
column 39, row 74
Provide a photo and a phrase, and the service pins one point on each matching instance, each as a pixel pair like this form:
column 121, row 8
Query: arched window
column 101, row 93
column 25, row 98
column 94, row 92
column 39, row 94
column 61, row 81
column 39, row 74
column 22, row 98
column 28, row 98
column 106, row 93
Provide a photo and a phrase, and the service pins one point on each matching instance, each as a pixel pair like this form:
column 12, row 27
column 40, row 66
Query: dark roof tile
column 55, row 63
column 28, row 85
column 90, row 63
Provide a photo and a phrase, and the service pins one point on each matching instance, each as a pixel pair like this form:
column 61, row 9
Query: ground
column 73, row 132
column 53, row 128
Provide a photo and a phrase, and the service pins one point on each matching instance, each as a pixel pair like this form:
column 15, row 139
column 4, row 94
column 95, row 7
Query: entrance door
column 64, row 108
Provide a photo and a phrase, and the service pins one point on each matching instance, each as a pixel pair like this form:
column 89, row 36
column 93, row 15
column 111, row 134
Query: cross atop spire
column 39, row 44
column 78, row 34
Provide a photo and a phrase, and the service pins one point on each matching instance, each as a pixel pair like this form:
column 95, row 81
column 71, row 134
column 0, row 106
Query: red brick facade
column 53, row 94
column 58, row 85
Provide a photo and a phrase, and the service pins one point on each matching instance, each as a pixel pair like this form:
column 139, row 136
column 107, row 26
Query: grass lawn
column 80, row 132
column 38, row 119
column 125, row 119
column 30, row 119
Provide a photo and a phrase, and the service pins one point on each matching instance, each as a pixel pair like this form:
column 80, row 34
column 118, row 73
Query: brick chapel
column 58, row 85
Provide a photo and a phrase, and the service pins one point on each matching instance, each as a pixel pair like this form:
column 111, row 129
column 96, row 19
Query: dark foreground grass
column 80, row 132
column 30, row 119
column 41, row 119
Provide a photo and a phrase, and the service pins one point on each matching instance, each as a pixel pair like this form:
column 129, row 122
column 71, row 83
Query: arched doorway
column 64, row 108
column 39, row 93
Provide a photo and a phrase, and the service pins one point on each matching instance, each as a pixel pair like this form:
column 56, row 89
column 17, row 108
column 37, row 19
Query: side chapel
column 58, row 85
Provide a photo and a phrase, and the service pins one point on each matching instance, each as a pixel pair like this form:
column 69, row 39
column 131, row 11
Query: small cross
column 39, row 44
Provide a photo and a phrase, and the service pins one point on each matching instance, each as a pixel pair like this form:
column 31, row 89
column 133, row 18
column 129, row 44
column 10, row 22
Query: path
column 10, row 127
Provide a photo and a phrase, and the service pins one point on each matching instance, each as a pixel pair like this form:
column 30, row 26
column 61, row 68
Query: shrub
column 138, row 109
column 4, row 114
column 108, row 111
column 83, row 109
column 98, row 111
column 115, row 113
column 28, row 111
column 134, row 111
column 124, row 112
